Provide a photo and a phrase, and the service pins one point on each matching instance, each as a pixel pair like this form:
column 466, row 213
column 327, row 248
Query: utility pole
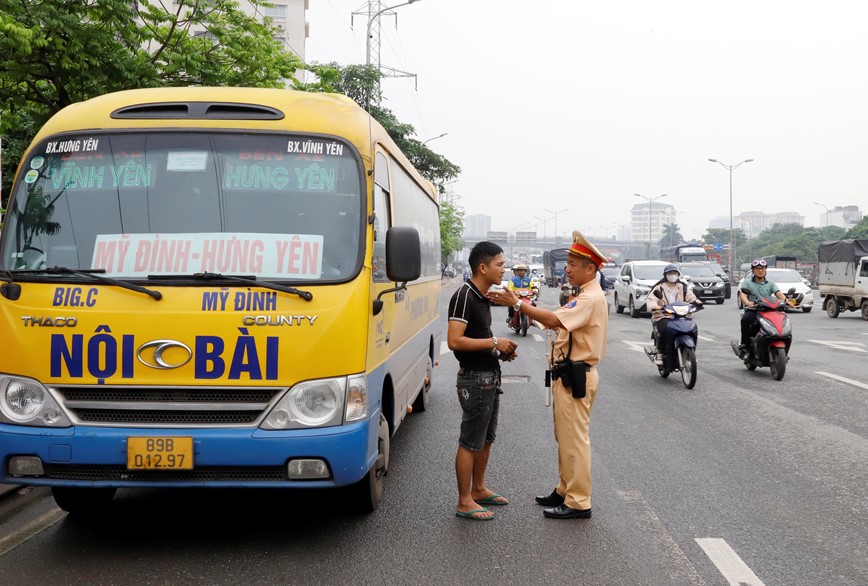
column 373, row 9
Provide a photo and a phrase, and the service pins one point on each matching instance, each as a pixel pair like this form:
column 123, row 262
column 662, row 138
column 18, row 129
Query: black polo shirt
column 470, row 306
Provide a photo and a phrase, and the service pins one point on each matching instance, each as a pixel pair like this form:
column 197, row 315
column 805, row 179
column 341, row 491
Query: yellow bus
column 223, row 287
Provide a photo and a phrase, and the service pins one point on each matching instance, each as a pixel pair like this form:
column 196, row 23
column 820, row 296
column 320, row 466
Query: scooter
column 770, row 346
column 567, row 291
column 520, row 321
column 679, row 353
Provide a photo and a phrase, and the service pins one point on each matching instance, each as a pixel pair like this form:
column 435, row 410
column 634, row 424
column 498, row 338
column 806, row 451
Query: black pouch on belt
column 576, row 375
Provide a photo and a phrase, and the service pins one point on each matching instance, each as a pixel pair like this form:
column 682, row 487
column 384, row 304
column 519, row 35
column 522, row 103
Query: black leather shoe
column 565, row 512
column 552, row 500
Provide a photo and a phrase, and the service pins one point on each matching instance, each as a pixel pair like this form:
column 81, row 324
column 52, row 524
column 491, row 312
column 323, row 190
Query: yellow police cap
column 582, row 247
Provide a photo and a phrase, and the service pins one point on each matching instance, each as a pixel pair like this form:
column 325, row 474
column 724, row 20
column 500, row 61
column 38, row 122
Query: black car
column 718, row 270
column 706, row 285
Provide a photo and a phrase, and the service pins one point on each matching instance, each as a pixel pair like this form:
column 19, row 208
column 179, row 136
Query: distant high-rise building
column 754, row 222
column 842, row 216
column 661, row 214
column 476, row 226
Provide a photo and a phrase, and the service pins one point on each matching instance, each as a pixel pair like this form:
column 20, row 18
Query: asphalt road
column 741, row 480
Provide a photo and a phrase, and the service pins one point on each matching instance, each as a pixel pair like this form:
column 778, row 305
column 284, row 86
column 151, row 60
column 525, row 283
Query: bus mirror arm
column 378, row 303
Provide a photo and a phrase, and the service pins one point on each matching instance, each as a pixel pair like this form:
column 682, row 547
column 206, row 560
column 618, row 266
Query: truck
column 780, row 262
column 554, row 262
column 843, row 276
column 684, row 252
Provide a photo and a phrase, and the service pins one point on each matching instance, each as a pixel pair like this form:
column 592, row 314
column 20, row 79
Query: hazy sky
column 580, row 105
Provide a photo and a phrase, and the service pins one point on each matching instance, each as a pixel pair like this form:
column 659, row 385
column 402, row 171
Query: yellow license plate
column 160, row 453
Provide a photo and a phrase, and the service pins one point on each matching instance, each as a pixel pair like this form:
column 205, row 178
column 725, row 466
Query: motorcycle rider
column 664, row 292
column 759, row 288
column 520, row 280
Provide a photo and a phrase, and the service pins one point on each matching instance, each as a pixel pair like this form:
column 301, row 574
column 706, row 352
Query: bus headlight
column 25, row 401
column 315, row 403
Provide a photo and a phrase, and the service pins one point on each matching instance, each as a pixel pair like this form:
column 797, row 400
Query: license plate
column 160, row 453
column 708, row 291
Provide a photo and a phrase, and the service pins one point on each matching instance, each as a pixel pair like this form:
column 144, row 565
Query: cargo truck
column 843, row 276
column 554, row 262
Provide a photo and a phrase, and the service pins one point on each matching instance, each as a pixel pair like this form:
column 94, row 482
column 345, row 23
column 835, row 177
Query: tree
column 860, row 230
column 53, row 54
column 362, row 84
column 451, row 230
column 671, row 235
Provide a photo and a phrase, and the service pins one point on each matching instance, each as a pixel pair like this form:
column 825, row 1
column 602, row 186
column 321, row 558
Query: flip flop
column 489, row 500
column 470, row 514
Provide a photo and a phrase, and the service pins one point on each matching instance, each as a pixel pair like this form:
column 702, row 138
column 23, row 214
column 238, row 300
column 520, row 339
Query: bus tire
column 423, row 398
column 368, row 492
column 82, row 501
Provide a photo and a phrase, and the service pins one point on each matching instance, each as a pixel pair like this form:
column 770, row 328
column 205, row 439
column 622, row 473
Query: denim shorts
column 479, row 395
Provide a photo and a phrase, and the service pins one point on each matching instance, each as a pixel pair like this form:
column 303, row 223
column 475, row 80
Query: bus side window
column 382, row 217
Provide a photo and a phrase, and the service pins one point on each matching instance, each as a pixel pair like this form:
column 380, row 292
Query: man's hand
column 505, row 297
column 506, row 346
column 508, row 357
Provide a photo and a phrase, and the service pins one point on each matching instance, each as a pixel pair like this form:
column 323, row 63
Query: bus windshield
column 134, row 204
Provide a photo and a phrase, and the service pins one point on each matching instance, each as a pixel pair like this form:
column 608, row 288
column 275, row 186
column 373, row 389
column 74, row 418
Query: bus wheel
column 421, row 402
column 369, row 490
column 82, row 501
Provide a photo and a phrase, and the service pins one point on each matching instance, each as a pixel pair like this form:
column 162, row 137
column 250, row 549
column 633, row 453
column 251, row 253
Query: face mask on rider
column 671, row 277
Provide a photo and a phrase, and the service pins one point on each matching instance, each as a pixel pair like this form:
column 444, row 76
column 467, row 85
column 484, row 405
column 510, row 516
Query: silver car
column 634, row 283
column 788, row 279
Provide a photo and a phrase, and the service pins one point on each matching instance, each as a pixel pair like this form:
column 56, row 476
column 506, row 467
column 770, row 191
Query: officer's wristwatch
column 517, row 306
column 494, row 339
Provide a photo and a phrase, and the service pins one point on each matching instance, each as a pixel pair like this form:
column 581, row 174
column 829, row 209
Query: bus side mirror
column 403, row 254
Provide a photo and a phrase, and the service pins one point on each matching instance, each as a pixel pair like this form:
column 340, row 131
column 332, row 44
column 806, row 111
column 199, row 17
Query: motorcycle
column 679, row 354
column 520, row 322
column 770, row 346
column 567, row 291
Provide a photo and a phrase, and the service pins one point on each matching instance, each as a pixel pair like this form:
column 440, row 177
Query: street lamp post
column 731, row 237
column 827, row 211
column 555, row 214
column 424, row 142
column 375, row 16
column 543, row 222
column 650, row 200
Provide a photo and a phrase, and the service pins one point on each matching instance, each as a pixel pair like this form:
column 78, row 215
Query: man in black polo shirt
column 478, row 353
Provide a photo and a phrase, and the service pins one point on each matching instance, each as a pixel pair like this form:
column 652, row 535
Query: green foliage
column 451, row 230
column 793, row 240
column 860, row 230
column 55, row 53
column 721, row 236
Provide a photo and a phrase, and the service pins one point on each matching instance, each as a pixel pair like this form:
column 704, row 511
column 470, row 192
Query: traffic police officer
column 582, row 326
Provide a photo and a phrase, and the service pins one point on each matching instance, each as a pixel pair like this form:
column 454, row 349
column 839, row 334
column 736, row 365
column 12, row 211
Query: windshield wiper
column 90, row 274
column 306, row 295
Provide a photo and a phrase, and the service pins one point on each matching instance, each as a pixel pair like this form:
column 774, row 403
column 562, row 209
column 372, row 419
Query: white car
column 788, row 279
column 634, row 283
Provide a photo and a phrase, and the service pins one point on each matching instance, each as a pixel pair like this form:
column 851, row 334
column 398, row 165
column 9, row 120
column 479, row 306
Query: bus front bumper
column 222, row 458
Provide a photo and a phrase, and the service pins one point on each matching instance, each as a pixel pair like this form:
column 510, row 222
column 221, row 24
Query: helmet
column 519, row 267
column 671, row 267
column 760, row 262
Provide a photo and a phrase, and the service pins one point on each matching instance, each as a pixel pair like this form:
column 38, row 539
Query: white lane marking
column 736, row 572
column 706, row 339
column 681, row 571
column 538, row 338
column 637, row 346
column 843, row 380
column 13, row 540
column 444, row 348
column 851, row 346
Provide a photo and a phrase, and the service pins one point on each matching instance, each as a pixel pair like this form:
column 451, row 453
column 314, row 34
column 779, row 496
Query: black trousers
column 662, row 329
column 749, row 327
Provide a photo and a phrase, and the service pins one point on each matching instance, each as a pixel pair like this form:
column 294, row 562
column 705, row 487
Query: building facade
column 476, row 226
column 842, row 216
column 754, row 222
column 650, row 216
